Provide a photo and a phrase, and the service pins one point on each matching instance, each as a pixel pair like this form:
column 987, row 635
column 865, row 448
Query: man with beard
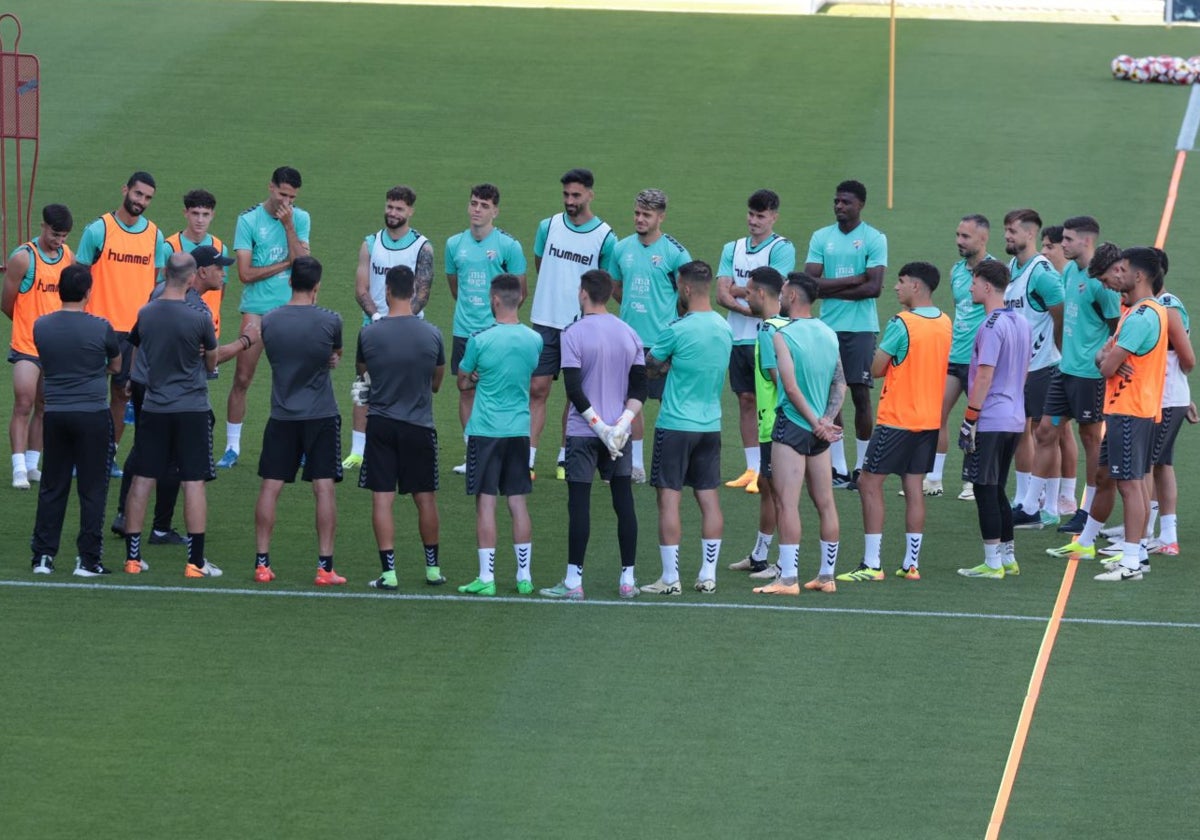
column 125, row 251
column 396, row 243
column 567, row 245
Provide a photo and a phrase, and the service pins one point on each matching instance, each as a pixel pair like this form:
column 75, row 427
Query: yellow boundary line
column 1031, row 698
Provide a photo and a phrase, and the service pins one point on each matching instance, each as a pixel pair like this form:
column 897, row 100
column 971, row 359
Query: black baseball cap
column 207, row 255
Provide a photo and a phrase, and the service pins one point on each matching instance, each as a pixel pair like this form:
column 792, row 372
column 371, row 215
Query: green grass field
column 147, row 708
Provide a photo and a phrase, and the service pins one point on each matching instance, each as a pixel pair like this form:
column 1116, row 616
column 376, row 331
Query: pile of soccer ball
column 1164, row 69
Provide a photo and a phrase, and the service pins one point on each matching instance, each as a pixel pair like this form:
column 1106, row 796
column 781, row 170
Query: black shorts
column 686, row 459
column 316, row 443
column 1127, row 446
column 992, row 458
column 895, row 451
column 655, row 385
column 400, row 457
column 797, row 437
column 122, row 376
column 1162, row 453
column 741, row 369
column 857, row 350
column 15, row 356
column 457, row 350
column 1037, row 385
column 1079, row 398
column 960, row 371
column 587, row 453
column 550, row 362
column 183, row 440
column 498, row 466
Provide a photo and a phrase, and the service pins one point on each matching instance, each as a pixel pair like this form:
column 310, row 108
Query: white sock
column 708, row 564
column 574, row 576
column 939, row 466
column 753, row 458
column 233, row 437
column 1131, row 555
column 991, row 555
column 1090, row 531
column 1050, row 502
column 524, row 553
column 762, row 545
column 837, row 451
column 1067, row 490
column 358, row 443
column 627, row 576
column 1023, row 487
column 562, row 454
column 1008, row 551
column 871, row 549
column 912, row 550
column 639, row 457
column 487, row 564
column 670, row 562
column 18, row 463
column 860, row 452
column 1031, row 499
column 787, row 560
column 532, row 456
column 1089, row 493
column 1166, row 528
column 32, row 456
column 1150, row 521
column 829, row 556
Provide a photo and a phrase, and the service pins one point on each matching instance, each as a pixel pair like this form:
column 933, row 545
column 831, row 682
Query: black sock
column 262, row 558
column 387, row 559
column 196, row 549
column 133, row 546
column 431, row 556
column 325, row 561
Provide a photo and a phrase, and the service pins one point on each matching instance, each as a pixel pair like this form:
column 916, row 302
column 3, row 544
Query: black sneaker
column 1075, row 524
column 840, row 481
column 118, row 525
column 171, row 537
column 852, row 484
column 43, row 564
column 1026, row 521
column 90, row 570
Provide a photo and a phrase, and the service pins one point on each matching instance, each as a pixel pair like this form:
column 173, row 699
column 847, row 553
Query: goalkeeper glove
column 966, row 432
column 360, row 389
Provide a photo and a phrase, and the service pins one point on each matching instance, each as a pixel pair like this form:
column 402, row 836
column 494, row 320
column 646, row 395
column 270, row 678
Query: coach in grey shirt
column 404, row 360
column 76, row 351
column 303, row 342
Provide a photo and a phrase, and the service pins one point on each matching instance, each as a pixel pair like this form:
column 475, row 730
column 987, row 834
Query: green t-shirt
column 1139, row 331
column 847, row 255
column 766, row 393
column 815, row 354
column 698, row 347
column 1087, row 306
column 476, row 263
column 504, row 356
column 647, row 275
column 263, row 236
column 968, row 315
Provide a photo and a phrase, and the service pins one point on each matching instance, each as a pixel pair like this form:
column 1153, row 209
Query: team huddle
column 1068, row 329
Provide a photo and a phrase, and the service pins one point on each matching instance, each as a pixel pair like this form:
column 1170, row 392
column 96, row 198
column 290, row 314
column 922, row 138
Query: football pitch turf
column 150, row 708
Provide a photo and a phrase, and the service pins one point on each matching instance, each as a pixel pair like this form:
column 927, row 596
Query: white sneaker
column 638, row 475
column 1114, row 550
column 1116, row 533
column 1143, row 567
column 968, row 493
column 20, row 480
column 44, row 565
column 460, row 469
column 769, row 573
column 705, row 585
column 661, row 587
column 932, row 488
column 34, row 473
column 1120, row 573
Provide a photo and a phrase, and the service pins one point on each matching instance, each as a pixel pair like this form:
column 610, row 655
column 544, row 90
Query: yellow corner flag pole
column 891, row 153
column 1185, row 143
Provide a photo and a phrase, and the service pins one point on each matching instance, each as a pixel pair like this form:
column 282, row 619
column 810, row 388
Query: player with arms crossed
column 811, row 391
column 763, row 246
column 644, row 266
column 850, row 258
column 687, row 436
column 303, row 342
column 76, row 350
column 268, row 238
column 604, row 369
column 30, row 291
column 498, row 363
column 396, row 243
column 473, row 258
column 401, row 362
column 995, row 417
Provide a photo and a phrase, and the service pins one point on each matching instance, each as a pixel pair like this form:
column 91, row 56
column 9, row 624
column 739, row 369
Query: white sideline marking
column 640, row 602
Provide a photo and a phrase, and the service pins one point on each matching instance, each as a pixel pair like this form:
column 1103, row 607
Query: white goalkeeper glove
column 620, row 434
column 376, row 316
column 360, row 389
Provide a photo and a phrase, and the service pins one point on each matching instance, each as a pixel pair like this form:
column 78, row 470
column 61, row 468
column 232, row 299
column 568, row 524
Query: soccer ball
column 1121, row 65
column 1184, row 74
column 1140, row 71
